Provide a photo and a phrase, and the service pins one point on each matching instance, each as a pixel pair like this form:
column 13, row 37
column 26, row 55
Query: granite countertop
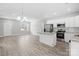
column 75, row 38
column 72, row 32
column 48, row 33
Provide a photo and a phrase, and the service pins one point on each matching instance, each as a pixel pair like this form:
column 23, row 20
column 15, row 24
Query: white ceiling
column 39, row 10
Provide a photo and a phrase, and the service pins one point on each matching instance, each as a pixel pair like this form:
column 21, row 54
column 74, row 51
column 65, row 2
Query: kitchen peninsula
column 74, row 45
column 48, row 38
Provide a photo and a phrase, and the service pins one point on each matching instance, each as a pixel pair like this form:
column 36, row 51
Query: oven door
column 60, row 35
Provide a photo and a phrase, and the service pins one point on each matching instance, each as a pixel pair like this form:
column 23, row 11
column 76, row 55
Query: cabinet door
column 69, row 22
column 76, row 21
column 74, row 46
column 68, row 36
column 48, row 39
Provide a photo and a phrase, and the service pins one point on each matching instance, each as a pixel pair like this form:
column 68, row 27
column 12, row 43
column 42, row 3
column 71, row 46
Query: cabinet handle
column 69, row 41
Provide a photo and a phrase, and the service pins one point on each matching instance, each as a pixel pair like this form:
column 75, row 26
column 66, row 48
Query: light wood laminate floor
column 29, row 45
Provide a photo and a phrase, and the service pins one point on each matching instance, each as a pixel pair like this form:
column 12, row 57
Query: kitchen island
column 48, row 38
column 74, row 45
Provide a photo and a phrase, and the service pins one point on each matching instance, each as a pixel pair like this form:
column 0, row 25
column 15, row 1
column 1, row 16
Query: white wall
column 37, row 27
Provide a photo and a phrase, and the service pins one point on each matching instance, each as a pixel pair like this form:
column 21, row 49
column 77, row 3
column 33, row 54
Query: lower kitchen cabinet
column 74, row 48
column 68, row 36
column 48, row 39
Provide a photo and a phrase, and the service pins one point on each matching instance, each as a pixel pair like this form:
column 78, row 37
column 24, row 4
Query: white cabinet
column 48, row 39
column 69, row 22
column 76, row 21
column 74, row 48
column 72, row 21
column 68, row 36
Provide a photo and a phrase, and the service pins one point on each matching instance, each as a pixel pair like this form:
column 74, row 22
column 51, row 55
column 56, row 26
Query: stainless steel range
column 61, row 32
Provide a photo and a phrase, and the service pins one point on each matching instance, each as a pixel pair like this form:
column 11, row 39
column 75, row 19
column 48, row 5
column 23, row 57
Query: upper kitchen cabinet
column 55, row 22
column 69, row 22
column 76, row 21
column 72, row 21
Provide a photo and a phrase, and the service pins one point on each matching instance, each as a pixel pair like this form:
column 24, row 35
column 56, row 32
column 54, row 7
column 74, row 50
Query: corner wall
column 37, row 27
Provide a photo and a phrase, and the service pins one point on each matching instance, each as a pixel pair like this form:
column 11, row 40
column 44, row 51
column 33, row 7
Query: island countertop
column 47, row 33
column 75, row 36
